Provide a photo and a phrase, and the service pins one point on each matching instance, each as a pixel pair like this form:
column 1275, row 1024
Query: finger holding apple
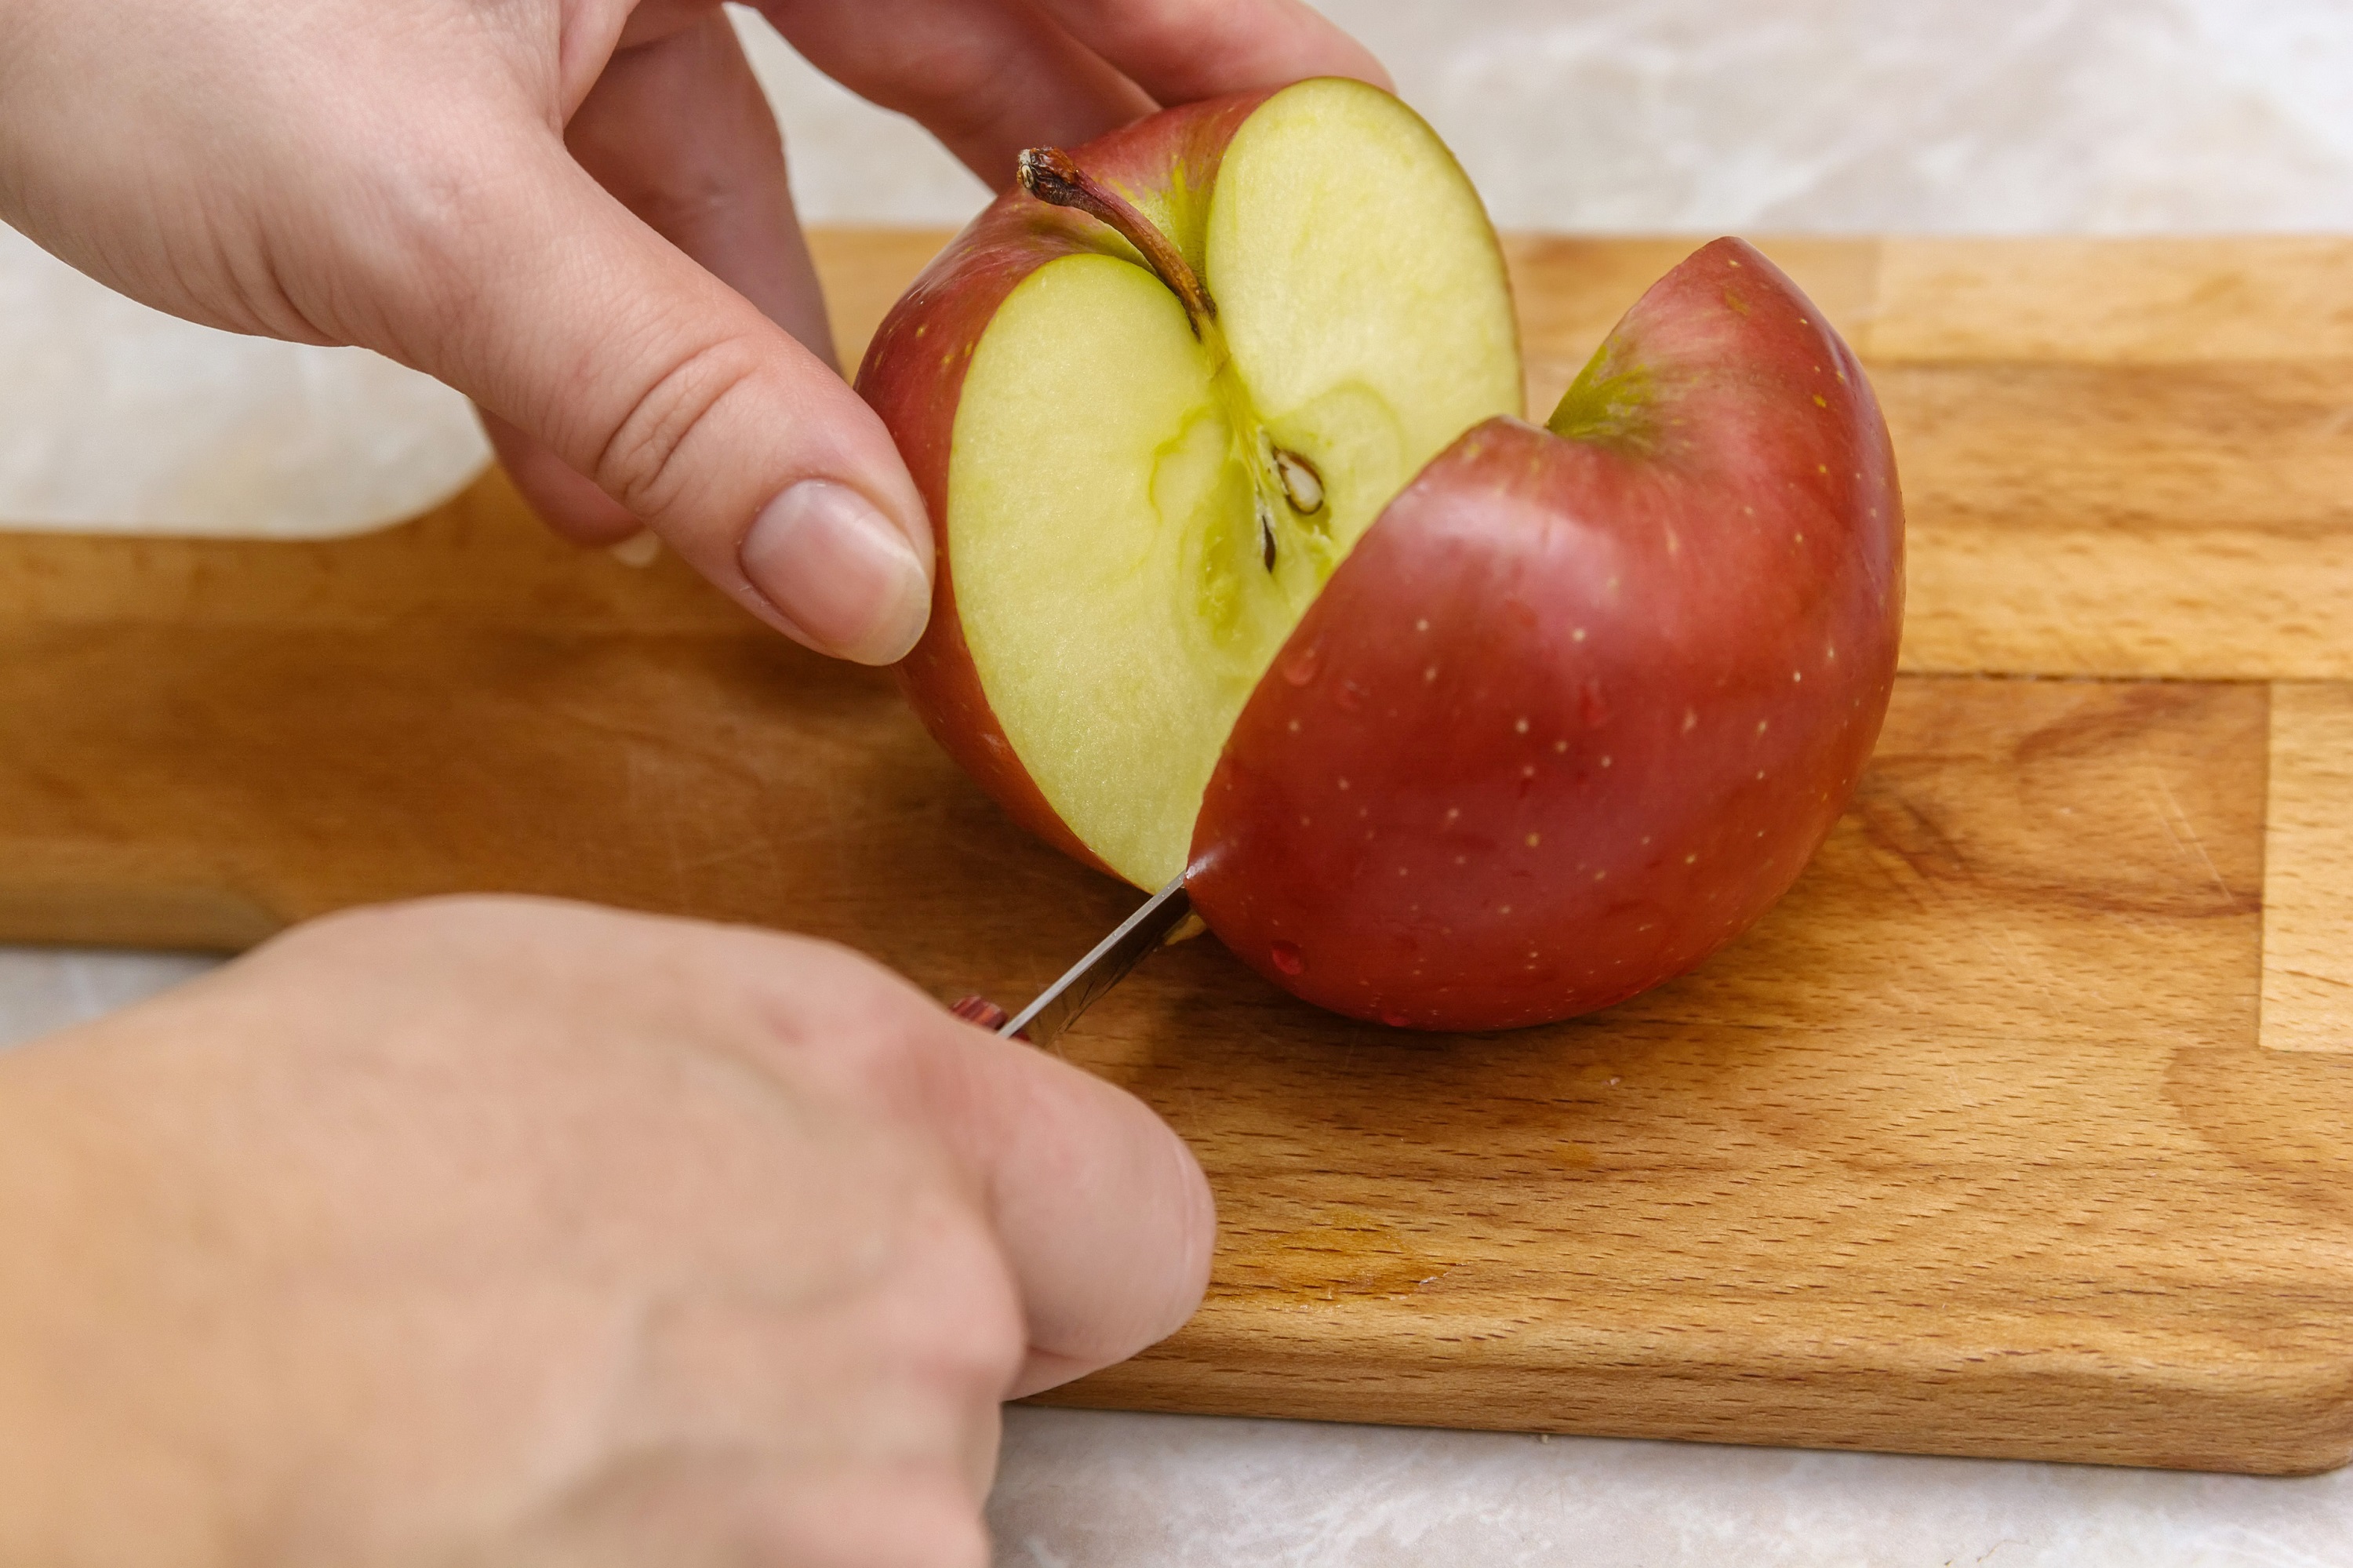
column 1248, row 572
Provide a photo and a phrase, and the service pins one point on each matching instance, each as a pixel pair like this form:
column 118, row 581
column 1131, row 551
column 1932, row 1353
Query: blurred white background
column 1684, row 116
column 1778, row 116
column 1695, row 116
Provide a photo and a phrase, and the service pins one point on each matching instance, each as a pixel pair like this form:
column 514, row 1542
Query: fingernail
column 839, row 571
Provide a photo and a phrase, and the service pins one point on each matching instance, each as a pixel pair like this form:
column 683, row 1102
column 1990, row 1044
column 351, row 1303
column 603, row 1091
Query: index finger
column 1101, row 1211
column 1101, row 1208
column 1180, row 51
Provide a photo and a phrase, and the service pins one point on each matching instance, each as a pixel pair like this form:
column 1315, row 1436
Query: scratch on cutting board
column 2178, row 827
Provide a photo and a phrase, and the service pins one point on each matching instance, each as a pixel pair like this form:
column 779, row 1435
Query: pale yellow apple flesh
column 1138, row 514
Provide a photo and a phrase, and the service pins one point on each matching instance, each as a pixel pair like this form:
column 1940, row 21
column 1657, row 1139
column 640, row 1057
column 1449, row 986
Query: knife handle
column 981, row 1011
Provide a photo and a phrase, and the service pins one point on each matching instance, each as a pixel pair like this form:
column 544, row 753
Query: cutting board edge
column 2300, row 1432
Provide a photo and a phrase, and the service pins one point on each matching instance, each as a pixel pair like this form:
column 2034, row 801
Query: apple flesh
column 1138, row 493
column 1585, row 700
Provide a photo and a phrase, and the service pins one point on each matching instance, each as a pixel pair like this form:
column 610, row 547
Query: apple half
column 1247, row 570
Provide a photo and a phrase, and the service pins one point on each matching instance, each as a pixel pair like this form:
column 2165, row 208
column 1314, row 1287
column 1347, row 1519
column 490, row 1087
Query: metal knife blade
column 1059, row 1005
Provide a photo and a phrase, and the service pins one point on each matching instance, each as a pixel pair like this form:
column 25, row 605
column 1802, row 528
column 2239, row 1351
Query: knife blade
column 1057, row 1007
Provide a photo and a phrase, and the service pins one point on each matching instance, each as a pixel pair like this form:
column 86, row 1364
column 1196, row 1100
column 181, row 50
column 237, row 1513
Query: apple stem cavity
column 1054, row 178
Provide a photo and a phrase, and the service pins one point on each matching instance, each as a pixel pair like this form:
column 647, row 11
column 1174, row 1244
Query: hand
column 576, row 212
column 506, row 1232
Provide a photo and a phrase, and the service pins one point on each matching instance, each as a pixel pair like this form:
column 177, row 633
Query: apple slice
column 1147, row 442
column 1586, row 700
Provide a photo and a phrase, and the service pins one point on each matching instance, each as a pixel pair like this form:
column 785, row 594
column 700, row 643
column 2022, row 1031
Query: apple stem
column 1054, row 178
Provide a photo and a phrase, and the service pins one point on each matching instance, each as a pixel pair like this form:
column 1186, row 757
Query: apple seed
column 1302, row 485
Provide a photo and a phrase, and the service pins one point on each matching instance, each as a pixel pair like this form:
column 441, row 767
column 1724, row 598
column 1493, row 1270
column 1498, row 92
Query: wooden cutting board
column 2024, row 1127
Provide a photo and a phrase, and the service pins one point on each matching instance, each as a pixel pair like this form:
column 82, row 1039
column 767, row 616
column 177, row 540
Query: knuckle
column 876, row 1043
column 641, row 464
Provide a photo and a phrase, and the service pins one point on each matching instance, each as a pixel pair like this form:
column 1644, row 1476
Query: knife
column 1106, row 964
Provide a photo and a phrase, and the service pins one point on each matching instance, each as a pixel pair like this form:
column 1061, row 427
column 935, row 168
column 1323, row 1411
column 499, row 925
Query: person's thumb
column 557, row 309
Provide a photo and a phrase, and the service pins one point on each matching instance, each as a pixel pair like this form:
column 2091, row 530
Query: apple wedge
column 1135, row 499
column 1249, row 573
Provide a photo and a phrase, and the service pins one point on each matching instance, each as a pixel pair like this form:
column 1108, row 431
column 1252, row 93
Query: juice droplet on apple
column 1287, row 958
column 1348, row 697
column 1299, row 665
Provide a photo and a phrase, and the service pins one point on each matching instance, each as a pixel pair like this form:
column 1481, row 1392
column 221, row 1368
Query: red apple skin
column 1574, row 713
column 913, row 376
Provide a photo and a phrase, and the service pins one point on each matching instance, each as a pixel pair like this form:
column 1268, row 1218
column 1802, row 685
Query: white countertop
column 1675, row 115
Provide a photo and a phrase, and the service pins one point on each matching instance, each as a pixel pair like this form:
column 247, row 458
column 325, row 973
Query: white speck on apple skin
column 1343, row 783
column 1761, row 723
column 1578, row 635
column 1295, row 726
column 1520, row 726
column 1560, row 746
column 1605, row 761
column 1424, row 625
column 1691, row 720
column 1452, row 812
column 1429, row 672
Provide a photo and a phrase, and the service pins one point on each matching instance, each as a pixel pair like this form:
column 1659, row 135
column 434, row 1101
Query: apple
column 1248, row 572
column 1137, row 493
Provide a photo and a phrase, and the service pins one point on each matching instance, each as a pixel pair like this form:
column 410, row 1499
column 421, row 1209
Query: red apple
column 1584, row 702
column 1247, row 573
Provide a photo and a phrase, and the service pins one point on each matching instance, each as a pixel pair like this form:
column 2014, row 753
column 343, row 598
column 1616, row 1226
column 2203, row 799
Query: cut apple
column 1139, row 502
column 1248, row 572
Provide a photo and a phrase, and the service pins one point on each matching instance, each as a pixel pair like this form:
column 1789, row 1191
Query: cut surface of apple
column 1139, row 501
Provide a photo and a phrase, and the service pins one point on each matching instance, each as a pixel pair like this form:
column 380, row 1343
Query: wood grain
column 2131, row 459
column 2308, row 874
column 2017, row 1128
